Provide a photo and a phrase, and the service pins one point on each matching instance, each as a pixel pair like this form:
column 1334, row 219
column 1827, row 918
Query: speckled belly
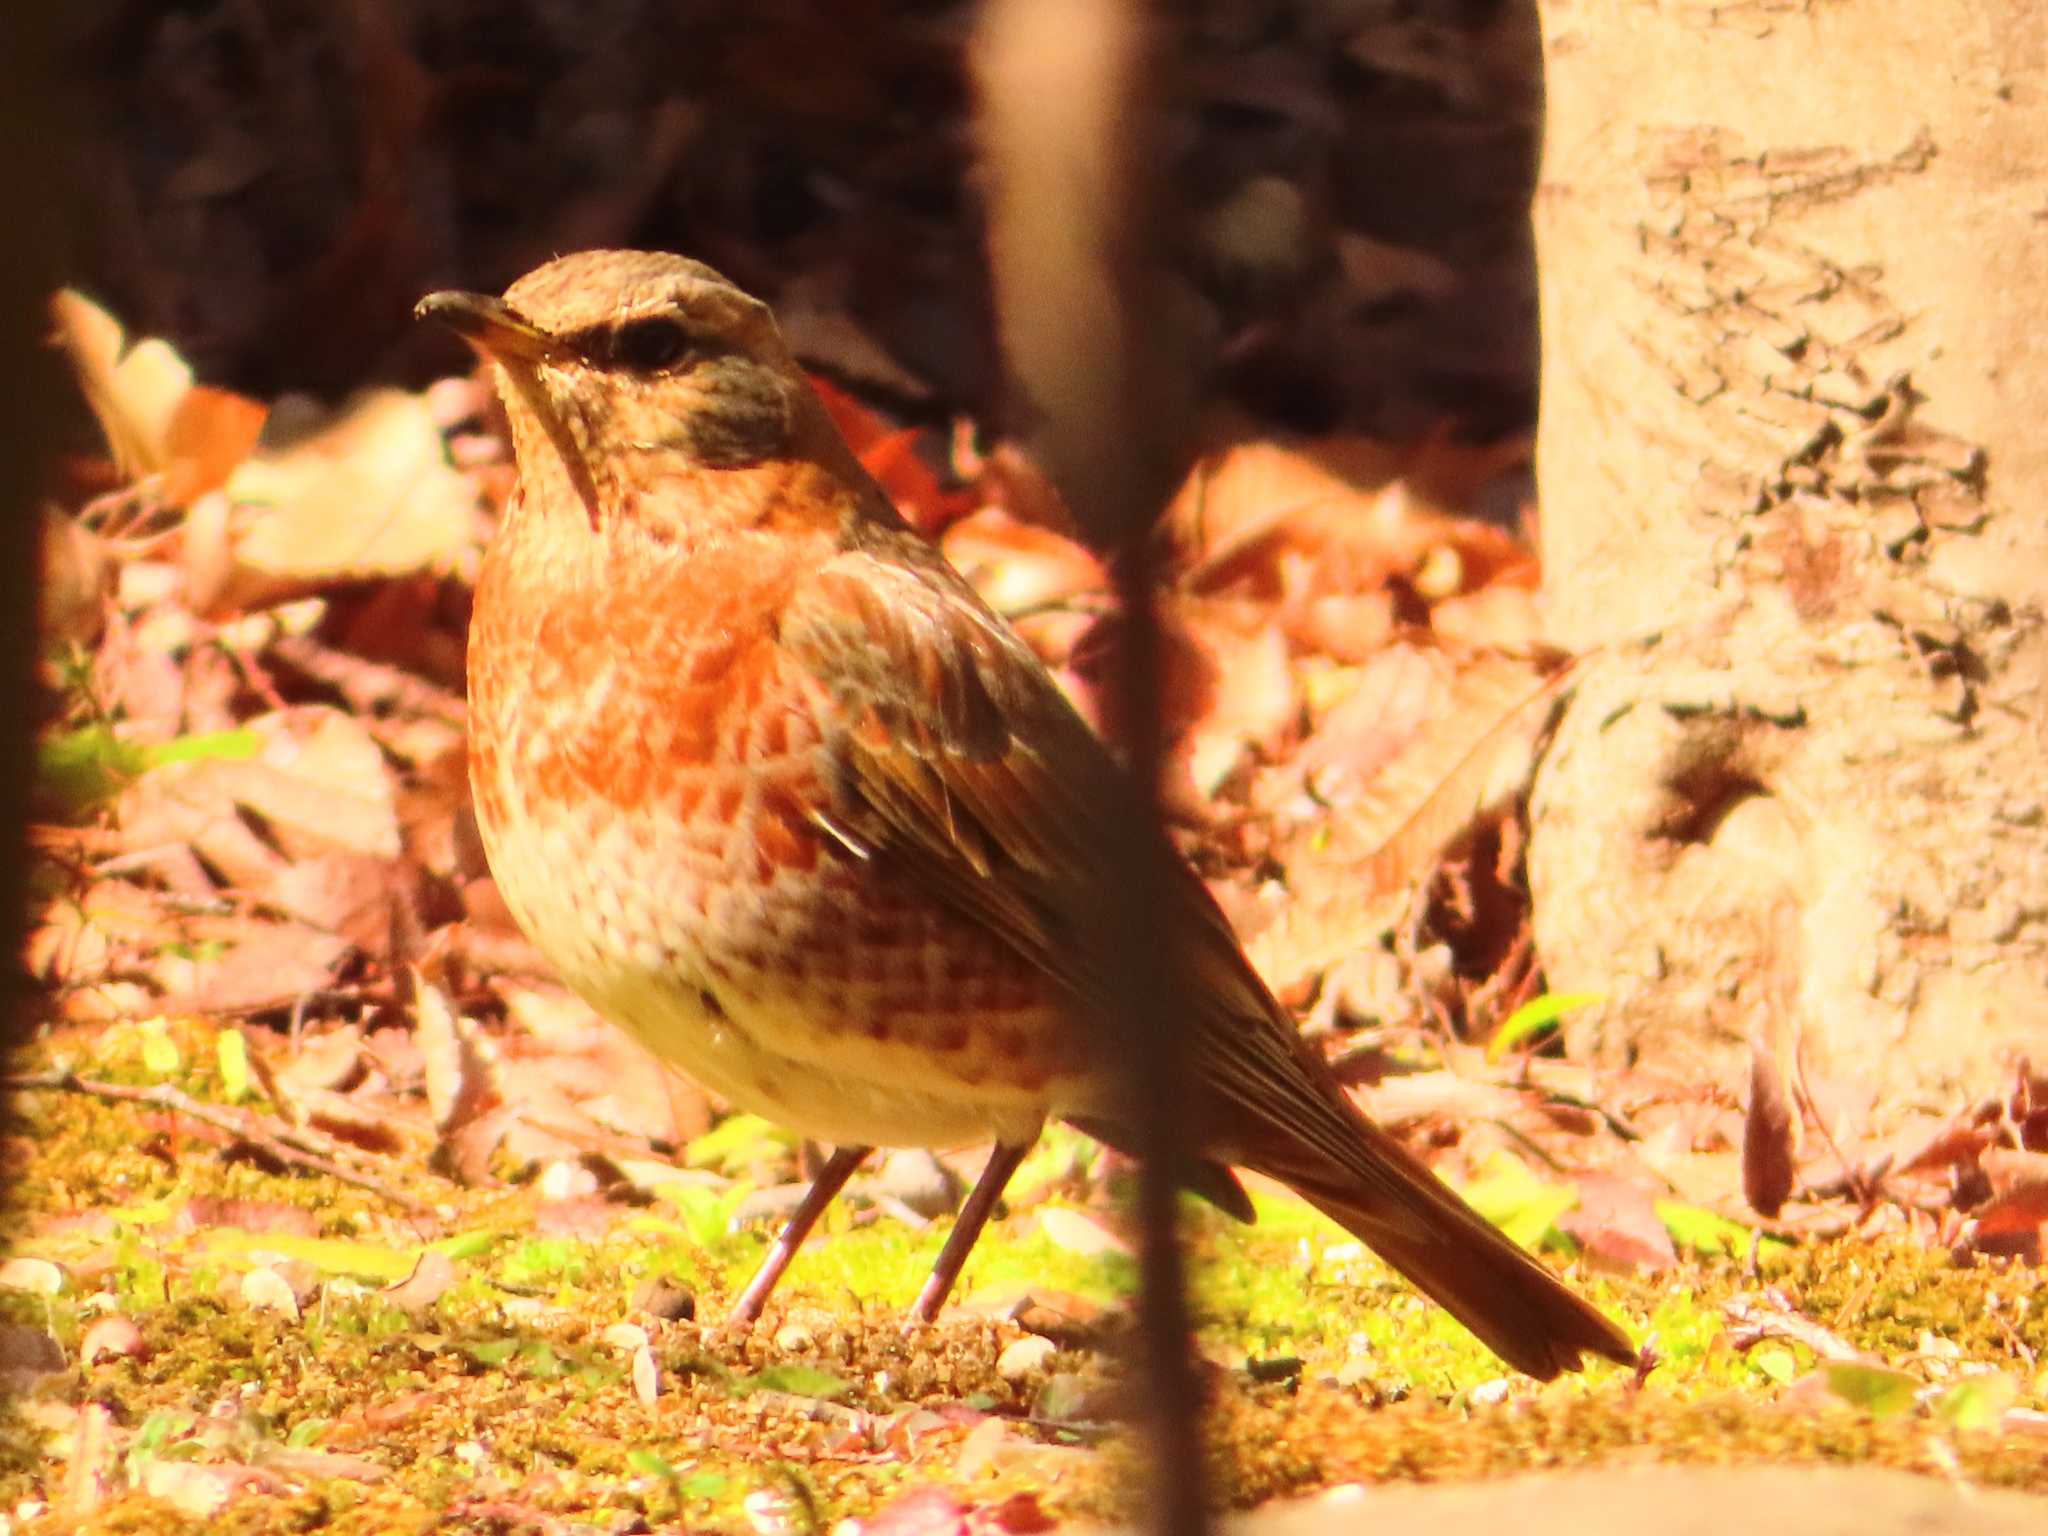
column 686, row 893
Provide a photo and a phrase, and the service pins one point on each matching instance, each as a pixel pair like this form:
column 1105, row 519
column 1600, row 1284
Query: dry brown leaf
column 618, row 1083
column 1503, row 616
column 433, row 1275
column 1348, row 879
column 1242, row 505
column 202, row 1212
column 133, row 390
column 1409, row 1097
column 245, row 965
column 1617, row 1224
column 317, row 785
column 463, row 1093
column 156, row 421
column 367, row 492
column 211, row 432
column 1079, row 1233
column 331, row 1061
column 1018, row 567
column 1769, row 1130
column 78, row 579
column 2019, row 1193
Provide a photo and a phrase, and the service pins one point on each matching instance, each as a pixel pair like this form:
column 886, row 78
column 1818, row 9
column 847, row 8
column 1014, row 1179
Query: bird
column 774, row 790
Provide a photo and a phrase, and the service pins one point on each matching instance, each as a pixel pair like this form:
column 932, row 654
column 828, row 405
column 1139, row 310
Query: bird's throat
column 530, row 400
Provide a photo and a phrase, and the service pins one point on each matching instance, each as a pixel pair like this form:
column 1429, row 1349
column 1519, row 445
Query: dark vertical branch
column 31, row 188
column 1067, row 122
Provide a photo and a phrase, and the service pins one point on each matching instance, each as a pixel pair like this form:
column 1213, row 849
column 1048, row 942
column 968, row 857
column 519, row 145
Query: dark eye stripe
column 650, row 344
column 647, row 345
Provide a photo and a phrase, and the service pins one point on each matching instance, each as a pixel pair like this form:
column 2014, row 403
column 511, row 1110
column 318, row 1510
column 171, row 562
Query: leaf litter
column 342, row 1200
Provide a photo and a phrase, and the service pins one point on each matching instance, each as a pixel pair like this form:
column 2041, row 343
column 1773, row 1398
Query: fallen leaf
column 797, row 1380
column 921, row 1512
column 1768, row 1131
column 1617, row 1227
column 133, row 390
column 363, row 493
column 1079, row 1234
column 1877, row 1390
column 431, row 1279
column 2019, row 1193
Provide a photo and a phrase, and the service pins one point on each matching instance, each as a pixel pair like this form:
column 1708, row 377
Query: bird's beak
column 490, row 325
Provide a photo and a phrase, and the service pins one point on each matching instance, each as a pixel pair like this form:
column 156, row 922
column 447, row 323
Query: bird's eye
column 649, row 344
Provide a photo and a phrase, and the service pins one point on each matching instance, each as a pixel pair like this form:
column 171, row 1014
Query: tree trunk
column 1793, row 260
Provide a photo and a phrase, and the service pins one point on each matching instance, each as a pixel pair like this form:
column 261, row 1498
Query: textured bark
column 1795, row 509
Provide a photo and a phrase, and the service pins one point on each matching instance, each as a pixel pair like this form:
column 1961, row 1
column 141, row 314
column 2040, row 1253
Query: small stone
column 794, row 1337
column 646, row 1376
column 920, row 1181
column 660, row 1297
column 267, row 1291
column 111, row 1337
column 625, row 1336
column 565, row 1179
column 38, row 1277
column 1025, row 1357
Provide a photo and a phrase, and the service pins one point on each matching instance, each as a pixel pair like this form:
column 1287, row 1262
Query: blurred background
column 275, row 183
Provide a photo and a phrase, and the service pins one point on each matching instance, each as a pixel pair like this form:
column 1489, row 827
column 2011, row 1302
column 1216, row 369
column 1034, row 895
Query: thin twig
column 298, row 1147
column 1067, row 124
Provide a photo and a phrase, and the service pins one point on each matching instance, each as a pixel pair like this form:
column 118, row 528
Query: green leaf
column 89, row 766
column 1878, row 1390
column 650, row 1465
column 736, row 1141
column 491, row 1352
column 707, row 1213
column 1977, row 1402
column 1536, row 1016
column 329, row 1255
column 1516, row 1201
column 797, row 1380
column 231, row 1050
column 1706, row 1233
column 159, row 1050
column 1775, row 1361
column 226, row 745
column 705, row 1485
column 84, row 768
column 466, row 1245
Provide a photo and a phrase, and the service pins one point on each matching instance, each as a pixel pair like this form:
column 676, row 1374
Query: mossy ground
column 506, row 1399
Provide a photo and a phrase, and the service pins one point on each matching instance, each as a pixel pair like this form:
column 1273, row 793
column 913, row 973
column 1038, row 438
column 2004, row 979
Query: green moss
column 507, row 1387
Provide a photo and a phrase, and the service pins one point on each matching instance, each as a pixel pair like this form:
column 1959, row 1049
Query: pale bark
column 1794, row 492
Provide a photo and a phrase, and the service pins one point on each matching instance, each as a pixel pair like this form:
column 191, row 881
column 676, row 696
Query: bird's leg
column 981, row 1201
column 830, row 1180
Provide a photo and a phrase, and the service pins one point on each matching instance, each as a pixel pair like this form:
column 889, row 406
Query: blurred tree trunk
column 1794, row 484
column 30, row 187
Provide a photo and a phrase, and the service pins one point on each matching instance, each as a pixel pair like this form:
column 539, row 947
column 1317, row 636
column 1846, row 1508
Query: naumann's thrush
column 777, row 792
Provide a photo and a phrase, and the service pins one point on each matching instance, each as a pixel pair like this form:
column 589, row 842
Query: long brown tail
column 1387, row 1199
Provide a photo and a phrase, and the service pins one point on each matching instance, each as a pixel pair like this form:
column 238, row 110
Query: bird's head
column 634, row 367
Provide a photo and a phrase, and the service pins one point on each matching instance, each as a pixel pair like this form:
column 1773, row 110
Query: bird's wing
column 962, row 761
column 957, row 756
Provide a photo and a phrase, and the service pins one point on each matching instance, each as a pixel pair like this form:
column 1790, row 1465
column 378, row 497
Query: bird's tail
column 1386, row 1198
